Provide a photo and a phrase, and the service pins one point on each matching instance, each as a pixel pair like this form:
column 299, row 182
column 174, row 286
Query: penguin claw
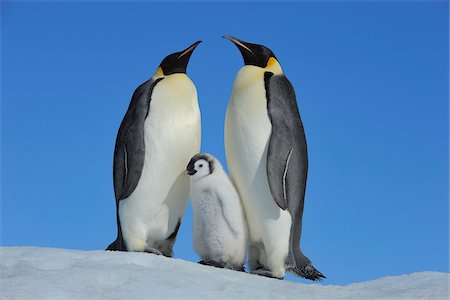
column 153, row 251
column 211, row 263
column 239, row 268
column 265, row 273
column 167, row 253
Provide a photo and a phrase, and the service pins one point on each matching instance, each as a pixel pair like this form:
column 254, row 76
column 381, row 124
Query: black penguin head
column 253, row 54
column 177, row 62
column 200, row 165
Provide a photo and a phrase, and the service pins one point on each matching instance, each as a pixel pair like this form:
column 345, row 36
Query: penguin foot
column 265, row 273
column 164, row 248
column 167, row 253
column 153, row 251
column 239, row 268
column 213, row 263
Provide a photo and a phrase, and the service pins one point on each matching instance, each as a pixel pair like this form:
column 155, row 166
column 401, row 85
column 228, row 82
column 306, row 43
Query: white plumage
column 219, row 227
column 172, row 135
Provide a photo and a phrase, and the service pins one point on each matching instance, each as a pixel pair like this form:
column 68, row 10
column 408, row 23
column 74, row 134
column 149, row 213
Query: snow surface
column 46, row 273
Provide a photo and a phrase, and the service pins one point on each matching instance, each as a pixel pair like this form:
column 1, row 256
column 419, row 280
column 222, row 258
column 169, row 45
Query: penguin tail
column 301, row 266
column 117, row 245
column 308, row 272
column 113, row 246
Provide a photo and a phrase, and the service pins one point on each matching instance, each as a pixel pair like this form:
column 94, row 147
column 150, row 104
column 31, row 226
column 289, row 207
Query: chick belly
column 213, row 239
column 153, row 210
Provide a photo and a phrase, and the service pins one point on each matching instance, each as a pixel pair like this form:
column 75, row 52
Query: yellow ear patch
column 159, row 72
column 274, row 66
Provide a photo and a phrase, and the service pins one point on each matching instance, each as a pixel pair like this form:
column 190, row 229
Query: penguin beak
column 240, row 44
column 189, row 50
column 190, row 172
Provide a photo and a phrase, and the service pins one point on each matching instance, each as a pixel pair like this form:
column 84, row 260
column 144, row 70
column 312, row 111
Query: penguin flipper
column 129, row 152
column 223, row 194
column 285, row 119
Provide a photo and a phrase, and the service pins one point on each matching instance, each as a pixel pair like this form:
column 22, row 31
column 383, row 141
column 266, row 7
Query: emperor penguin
column 157, row 137
column 268, row 162
column 219, row 228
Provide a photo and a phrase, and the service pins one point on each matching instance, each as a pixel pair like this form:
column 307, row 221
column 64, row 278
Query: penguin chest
column 171, row 138
column 247, row 128
column 208, row 224
column 172, row 127
column 247, row 135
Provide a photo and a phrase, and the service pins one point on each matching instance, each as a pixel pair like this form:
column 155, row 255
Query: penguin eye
column 200, row 165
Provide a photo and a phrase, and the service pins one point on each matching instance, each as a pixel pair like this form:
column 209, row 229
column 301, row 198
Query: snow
column 46, row 273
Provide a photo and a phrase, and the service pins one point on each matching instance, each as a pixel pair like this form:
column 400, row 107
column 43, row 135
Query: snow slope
column 45, row 273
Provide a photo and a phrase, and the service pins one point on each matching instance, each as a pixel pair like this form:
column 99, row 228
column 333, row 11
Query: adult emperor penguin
column 267, row 159
column 158, row 135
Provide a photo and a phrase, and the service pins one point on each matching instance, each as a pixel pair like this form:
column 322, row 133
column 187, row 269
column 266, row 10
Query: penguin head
column 257, row 55
column 200, row 165
column 176, row 62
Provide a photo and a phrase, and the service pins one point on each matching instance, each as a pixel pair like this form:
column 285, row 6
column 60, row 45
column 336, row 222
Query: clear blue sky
column 372, row 86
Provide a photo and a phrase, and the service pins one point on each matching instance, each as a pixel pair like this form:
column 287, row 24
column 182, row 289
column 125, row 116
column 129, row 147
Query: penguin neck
column 158, row 74
column 273, row 66
column 175, row 76
column 250, row 74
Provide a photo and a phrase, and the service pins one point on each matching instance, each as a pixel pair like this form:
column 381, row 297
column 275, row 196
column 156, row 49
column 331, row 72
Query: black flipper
column 287, row 165
column 129, row 151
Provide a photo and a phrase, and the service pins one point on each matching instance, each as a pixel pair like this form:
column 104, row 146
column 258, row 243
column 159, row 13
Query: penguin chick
column 219, row 227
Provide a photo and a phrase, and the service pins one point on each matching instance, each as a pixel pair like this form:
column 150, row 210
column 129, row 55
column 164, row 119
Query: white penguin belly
column 209, row 228
column 247, row 134
column 171, row 137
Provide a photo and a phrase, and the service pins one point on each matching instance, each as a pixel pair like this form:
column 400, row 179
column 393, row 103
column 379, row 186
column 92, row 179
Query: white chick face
column 200, row 166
